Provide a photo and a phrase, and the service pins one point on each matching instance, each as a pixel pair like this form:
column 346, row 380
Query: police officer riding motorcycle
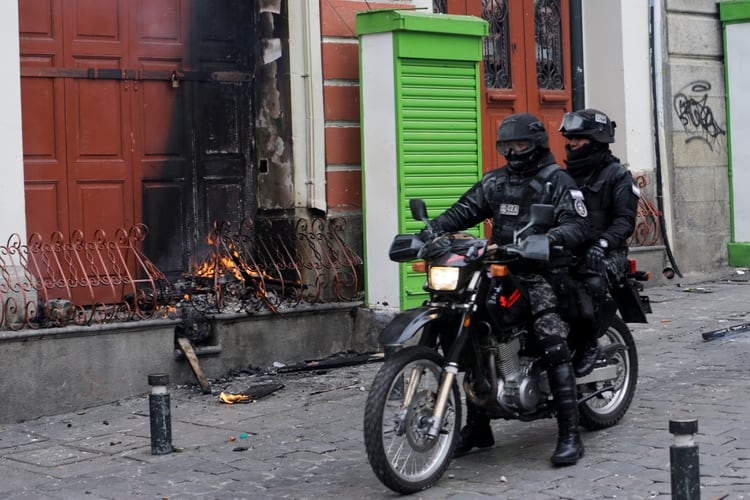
column 612, row 200
column 505, row 196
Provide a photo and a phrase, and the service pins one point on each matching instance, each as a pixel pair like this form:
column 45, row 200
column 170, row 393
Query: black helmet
column 590, row 123
column 523, row 127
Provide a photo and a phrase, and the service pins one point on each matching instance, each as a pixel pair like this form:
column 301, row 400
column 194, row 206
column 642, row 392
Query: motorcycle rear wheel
column 609, row 407
column 400, row 453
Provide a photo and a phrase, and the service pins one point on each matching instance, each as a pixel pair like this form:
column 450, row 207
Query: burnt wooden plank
column 187, row 348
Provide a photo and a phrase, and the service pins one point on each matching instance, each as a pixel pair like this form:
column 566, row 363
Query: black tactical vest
column 511, row 198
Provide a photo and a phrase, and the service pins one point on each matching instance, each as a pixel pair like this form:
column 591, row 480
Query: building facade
column 277, row 134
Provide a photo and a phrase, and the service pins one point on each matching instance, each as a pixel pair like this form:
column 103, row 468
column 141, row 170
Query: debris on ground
column 252, row 393
column 723, row 332
column 335, row 361
column 357, row 383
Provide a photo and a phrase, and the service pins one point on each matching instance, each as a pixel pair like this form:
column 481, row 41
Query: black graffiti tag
column 697, row 117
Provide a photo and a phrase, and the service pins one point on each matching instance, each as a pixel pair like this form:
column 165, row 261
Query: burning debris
column 252, row 393
column 232, row 279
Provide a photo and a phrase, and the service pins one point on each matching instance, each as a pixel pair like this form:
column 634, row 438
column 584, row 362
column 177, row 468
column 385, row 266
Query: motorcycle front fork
column 450, row 369
column 448, row 378
column 446, row 384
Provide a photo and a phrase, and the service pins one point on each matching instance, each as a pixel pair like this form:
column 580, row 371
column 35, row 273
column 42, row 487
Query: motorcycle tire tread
column 373, row 418
column 590, row 418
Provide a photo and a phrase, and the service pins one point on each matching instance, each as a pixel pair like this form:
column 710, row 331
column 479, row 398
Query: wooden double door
column 138, row 111
column 526, row 65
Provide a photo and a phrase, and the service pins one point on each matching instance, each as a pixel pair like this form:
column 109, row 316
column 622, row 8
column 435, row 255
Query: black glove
column 424, row 235
column 615, row 270
column 553, row 239
column 595, row 258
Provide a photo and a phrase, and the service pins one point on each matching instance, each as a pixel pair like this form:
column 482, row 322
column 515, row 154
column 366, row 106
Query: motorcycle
column 477, row 320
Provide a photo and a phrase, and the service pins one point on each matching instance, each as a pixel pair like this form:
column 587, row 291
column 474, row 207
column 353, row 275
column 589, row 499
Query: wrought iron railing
column 648, row 219
column 274, row 266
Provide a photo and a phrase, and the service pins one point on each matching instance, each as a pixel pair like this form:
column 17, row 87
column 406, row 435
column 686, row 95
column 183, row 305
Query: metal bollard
column 160, row 414
column 683, row 457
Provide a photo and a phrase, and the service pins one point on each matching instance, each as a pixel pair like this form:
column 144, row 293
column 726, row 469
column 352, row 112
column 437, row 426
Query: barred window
column 548, row 37
column 496, row 45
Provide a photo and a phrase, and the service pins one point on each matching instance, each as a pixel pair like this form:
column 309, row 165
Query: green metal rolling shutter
column 440, row 143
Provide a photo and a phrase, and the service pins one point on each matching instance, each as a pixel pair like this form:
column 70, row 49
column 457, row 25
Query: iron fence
column 77, row 281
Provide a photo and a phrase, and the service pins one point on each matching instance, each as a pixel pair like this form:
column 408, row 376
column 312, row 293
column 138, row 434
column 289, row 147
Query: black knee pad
column 555, row 350
column 596, row 285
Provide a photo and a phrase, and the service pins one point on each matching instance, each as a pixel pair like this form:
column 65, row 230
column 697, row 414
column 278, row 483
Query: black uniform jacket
column 612, row 199
column 505, row 197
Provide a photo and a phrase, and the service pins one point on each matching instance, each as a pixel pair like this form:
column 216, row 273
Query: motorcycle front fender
column 407, row 324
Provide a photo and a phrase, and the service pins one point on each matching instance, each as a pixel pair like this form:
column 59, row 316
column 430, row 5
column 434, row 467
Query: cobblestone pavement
column 305, row 440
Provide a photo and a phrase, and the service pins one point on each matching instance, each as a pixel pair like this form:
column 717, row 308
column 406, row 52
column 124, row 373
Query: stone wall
column 695, row 129
column 59, row 370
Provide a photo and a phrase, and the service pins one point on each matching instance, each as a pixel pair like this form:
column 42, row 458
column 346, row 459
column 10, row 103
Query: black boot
column 569, row 445
column 477, row 432
column 585, row 358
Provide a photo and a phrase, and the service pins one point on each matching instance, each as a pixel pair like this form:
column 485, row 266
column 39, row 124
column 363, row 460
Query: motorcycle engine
column 518, row 378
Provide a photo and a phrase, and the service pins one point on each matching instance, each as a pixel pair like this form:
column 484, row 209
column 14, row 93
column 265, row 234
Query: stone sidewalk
column 305, row 440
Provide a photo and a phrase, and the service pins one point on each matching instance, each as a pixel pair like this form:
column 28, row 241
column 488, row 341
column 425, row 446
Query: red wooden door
column 98, row 117
column 82, row 140
column 526, row 65
column 43, row 108
column 136, row 111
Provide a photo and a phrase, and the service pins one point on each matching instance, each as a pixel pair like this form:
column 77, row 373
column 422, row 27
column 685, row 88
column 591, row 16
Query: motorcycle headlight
column 443, row 278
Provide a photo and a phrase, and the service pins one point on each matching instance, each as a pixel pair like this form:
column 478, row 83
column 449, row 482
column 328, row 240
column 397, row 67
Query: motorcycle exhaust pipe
column 492, row 393
column 492, row 367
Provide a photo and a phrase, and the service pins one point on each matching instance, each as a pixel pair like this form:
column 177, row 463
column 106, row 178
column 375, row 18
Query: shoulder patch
column 578, row 202
column 577, row 194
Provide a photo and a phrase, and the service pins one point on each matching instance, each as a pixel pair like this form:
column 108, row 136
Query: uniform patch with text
column 508, row 209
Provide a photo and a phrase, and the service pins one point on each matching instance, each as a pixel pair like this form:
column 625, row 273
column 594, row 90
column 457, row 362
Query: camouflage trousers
column 547, row 321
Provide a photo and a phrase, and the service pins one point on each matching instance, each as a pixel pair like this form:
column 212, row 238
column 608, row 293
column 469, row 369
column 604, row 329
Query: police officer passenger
column 612, row 200
column 505, row 195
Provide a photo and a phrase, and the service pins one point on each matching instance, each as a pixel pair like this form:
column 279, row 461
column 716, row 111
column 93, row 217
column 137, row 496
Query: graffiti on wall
column 697, row 117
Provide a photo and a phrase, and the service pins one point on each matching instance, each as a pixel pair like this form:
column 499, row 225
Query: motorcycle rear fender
column 630, row 305
column 407, row 324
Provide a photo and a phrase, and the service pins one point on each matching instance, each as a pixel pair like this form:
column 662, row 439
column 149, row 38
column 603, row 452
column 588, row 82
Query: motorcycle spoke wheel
column 400, row 451
column 609, row 406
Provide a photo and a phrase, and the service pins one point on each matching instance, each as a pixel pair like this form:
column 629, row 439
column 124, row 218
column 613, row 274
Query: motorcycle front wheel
column 398, row 414
column 607, row 408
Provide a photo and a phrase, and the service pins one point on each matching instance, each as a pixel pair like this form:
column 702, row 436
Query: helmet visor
column 517, row 147
column 572, row 123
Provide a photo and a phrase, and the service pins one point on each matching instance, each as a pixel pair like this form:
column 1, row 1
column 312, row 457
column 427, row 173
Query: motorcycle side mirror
column 419, row 212
column 418, row 209
column 541, row 217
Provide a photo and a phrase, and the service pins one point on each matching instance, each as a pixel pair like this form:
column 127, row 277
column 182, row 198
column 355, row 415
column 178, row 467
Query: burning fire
column 218, row 265
column 228, row 263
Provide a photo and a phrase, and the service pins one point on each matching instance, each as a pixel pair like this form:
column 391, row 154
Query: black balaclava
column 586, row 158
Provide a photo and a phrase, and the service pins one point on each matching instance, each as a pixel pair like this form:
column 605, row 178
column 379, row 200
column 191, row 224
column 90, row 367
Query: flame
column 165, row 311
column 233, row 398
column 217, row 265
